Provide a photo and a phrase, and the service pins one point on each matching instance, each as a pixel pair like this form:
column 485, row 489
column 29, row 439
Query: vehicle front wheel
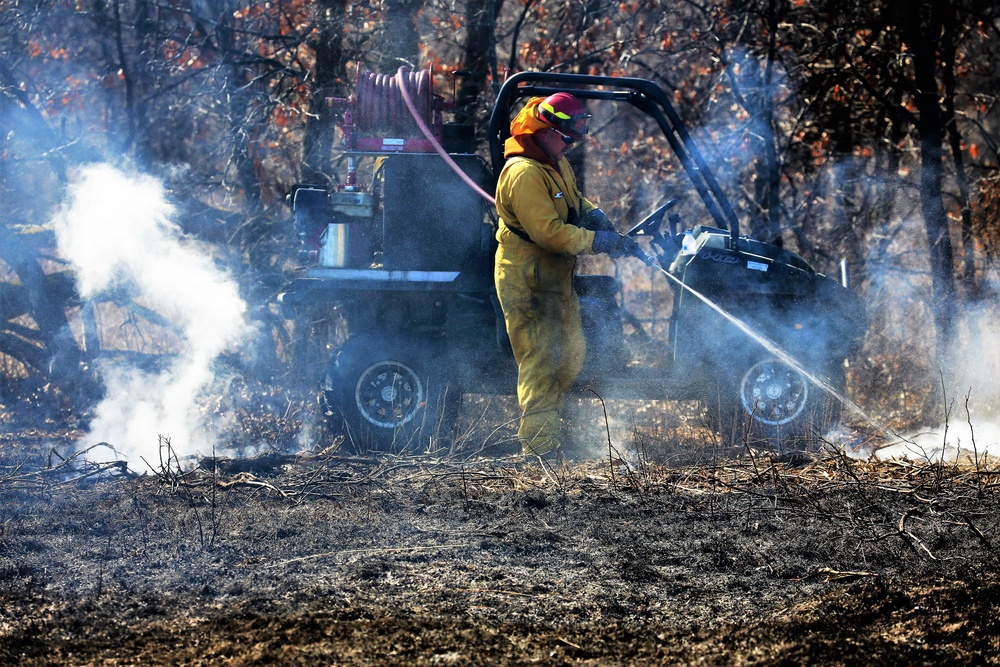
column 385, row 398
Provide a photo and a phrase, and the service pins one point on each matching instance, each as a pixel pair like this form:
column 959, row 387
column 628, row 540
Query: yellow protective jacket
column 536, row 198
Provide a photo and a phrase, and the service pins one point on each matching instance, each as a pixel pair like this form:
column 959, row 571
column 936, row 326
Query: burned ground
column 322, row 558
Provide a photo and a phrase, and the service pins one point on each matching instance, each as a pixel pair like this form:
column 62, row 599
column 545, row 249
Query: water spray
column 767, row 344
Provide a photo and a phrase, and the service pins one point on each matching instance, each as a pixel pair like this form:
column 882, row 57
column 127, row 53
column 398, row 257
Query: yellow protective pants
column 542, row 313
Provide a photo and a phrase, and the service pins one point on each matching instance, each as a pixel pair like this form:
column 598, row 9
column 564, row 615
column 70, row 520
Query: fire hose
column 402, row 84
column 380, row 104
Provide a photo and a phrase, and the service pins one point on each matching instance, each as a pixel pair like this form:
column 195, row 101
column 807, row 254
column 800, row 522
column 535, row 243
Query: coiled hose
column 381, row 107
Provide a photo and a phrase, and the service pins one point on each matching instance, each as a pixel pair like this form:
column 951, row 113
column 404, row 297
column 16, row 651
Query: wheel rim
column 389, row 394
column 773, row 392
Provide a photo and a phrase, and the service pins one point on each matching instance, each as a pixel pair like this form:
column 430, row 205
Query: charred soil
column 322, row 558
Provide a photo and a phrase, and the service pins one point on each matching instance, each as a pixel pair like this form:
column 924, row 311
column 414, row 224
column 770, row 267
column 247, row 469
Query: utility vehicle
column 395, row 309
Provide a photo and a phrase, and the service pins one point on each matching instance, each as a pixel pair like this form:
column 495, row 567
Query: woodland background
column 857, row 130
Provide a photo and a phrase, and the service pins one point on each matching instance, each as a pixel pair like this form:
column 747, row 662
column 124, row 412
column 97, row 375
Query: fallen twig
column 347, row 552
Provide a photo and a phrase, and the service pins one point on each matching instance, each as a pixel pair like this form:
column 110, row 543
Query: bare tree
column 400, row 38
column 480, row 58
column 328, row 80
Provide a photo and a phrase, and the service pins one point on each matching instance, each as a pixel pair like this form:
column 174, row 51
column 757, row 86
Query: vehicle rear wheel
column 771, row 405
column 385, row 398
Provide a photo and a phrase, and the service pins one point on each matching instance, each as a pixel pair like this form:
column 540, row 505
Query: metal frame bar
column 642, row 94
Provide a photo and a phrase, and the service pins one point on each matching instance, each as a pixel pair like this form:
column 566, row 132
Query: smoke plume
column 118, row 232
column 968, row 428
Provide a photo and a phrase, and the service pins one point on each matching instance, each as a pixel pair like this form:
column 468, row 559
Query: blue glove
column 595, row 220
column 615, row 245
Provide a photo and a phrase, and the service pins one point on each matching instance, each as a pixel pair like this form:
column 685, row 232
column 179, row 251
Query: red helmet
column 565, row 114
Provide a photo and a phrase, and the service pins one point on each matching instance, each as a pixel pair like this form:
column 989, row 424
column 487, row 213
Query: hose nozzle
column 648, row 260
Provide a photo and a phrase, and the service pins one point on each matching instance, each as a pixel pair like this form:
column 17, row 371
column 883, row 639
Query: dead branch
column 371, row 552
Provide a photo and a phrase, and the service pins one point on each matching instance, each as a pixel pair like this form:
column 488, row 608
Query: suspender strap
column 573, row 219
column 520, row 233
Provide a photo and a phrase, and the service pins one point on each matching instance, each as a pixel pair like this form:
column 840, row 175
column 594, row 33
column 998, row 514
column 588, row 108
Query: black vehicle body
column 418, row 322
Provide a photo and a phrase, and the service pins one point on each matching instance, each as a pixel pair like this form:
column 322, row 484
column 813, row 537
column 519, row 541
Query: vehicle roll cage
column 642, row 94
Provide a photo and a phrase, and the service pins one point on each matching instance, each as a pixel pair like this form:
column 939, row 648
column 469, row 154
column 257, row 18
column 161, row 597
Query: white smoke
column 969, row 428
column 971, row 395
column 118, row 232
column 968, row 442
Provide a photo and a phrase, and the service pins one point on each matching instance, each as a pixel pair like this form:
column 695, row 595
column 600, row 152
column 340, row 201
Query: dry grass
column 316, row 557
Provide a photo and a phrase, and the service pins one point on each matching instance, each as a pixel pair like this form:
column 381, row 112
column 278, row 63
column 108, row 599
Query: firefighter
column 545, row 222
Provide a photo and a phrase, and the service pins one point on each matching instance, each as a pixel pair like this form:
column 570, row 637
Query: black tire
column 384, row 397
column 770, row 405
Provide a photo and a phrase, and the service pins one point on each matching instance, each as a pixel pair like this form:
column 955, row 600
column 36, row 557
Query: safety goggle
column 565, row 137
column 580, row 123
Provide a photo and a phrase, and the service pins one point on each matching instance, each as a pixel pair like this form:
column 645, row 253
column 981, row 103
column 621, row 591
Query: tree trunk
column 969, row 280
column 329, row 74
column 480, row 57
column 241, row 117
column 767, row 126
column 923, row 39
column 400, row 40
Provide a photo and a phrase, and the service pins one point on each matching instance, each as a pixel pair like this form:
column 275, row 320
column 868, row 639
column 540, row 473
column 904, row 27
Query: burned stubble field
column 321, row 558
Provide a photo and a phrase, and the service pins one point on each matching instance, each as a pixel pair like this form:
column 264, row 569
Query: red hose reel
column 376, row 119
